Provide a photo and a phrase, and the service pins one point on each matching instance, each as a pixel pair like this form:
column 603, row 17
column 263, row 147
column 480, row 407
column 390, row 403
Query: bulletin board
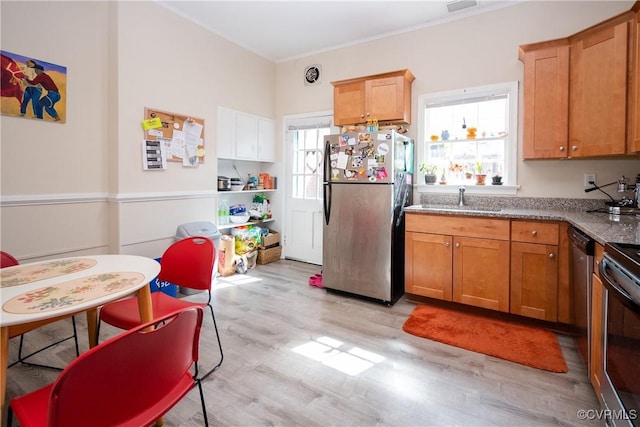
column 182, row 136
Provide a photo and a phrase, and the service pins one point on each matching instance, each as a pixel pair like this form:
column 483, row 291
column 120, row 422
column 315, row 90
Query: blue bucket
column 166, row 287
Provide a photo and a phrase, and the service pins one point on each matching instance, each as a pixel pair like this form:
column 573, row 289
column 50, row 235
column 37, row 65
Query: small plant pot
column 480, row 179
column 430, row 179
column 496, row 181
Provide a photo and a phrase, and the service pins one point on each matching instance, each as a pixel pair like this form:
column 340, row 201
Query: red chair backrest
column 7, row 260
column 131, row 379
column 189, row 263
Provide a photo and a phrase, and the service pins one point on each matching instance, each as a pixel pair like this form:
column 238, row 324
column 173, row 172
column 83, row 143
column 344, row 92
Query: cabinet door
column 428, row 265
column 226, row 133
column 534, row 281
column 481, row 272
column 598, row 93
column 634, row 119
column 246, row 137
column 596, row 339
column 385, row 99
column 546, row 103
column 266, row 140
column 348, row 103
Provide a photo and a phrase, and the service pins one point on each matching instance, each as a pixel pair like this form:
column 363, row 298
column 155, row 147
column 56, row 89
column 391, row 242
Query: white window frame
column 511, row 141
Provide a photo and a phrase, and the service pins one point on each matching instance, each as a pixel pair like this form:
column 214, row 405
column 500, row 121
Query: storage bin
column 271, row 239
column 203, row 229
column 166, row 287
column 265, row 256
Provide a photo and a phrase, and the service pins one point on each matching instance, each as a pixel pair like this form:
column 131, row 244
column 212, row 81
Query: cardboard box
column 265, row 256
column 270, row 240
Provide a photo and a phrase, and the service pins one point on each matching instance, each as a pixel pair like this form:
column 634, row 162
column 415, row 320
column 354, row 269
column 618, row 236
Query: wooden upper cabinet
column 546, row 101
column 385, row 97
column 598, row 92
column 633, row 141
column 582, row 93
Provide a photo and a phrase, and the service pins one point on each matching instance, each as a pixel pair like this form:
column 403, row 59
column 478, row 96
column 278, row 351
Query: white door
column 304, row 160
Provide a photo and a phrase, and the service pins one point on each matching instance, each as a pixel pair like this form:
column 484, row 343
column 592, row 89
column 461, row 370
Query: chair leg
column 204, row 408
column 9, row 416
column 23, row 359
column 215, row 327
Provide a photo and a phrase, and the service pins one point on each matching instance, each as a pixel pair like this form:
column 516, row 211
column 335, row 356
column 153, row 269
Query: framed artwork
column 33, row 89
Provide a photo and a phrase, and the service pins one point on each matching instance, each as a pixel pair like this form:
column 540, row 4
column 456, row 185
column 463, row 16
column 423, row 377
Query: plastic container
column 223, row 212
column 203, row 229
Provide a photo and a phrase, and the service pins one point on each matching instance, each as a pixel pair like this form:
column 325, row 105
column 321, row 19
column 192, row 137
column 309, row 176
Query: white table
column 38, row 293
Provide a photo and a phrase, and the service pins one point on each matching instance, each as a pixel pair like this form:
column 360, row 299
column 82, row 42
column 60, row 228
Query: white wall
column 470, row 52
column 79, row 187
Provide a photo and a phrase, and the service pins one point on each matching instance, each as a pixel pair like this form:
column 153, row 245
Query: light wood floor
column 270, row 322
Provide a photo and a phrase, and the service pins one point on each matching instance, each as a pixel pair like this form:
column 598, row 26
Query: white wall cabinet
column 242, row 136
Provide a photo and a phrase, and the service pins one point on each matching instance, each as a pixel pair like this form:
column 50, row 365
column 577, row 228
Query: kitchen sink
column 459, row 209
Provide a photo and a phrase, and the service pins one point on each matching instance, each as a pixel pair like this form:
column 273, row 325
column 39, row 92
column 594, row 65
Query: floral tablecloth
column 46, row 270
column 72, row 292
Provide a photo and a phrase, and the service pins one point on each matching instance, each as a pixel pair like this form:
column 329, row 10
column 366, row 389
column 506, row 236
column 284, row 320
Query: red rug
column 530, row 346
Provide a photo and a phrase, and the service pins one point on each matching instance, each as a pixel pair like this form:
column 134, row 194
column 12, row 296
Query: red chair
column 187, row 263
column 7, row 260
column 132, row 379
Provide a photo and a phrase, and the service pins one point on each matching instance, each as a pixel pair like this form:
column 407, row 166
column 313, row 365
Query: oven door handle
column 612, row 284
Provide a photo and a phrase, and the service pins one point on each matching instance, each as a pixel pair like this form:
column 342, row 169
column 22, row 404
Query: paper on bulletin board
column 181, row 136
column 153, row 155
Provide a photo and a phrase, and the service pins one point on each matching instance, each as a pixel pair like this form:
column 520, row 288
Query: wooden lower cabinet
column 481, row 272
column 596, row 368
column 428, row 265
column 462, row 267
column 514, row 266
column 534, row 280
column 596, row 338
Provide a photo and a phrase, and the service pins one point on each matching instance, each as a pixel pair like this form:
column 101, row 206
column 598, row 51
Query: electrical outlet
column 589, row 177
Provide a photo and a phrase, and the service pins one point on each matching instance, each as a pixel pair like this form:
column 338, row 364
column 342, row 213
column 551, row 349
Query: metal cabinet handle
column 447, row 244
column 574, row 147
column 562, row 148
column 552, row 256
column 362, row 116
column 534, row 233
column 457, row 245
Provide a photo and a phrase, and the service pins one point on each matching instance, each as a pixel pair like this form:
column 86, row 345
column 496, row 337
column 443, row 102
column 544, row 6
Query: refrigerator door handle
column 326, row 187
column 327, row 202
column 327, row 161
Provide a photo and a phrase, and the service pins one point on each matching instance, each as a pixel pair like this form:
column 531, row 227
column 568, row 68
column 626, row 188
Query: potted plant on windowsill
column 430, row 173
column 496, row 179
column 480, row 175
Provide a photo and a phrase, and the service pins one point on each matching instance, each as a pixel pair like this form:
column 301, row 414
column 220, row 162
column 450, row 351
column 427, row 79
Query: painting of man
column 32, row 88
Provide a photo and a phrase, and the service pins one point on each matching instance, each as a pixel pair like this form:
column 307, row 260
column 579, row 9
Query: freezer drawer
column 357, row 241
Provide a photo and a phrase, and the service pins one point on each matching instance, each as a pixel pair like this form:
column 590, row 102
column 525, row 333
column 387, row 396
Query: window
column 470, row 132
column 308, row 149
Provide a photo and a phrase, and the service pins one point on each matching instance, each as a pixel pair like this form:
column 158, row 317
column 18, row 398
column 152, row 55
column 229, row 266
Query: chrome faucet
column 461, row 191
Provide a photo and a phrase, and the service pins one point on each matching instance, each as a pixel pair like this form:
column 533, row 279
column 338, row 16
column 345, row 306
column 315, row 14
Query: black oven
column 620, row 271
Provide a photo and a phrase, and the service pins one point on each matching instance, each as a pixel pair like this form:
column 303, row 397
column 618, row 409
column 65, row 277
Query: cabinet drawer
column 535, row 232
column 489, row 228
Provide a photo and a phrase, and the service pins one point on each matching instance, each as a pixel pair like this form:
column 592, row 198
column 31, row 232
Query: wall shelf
column 228, row 226
column 247, row 191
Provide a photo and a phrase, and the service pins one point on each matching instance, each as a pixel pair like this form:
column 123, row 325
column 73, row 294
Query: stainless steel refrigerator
column 367, row 182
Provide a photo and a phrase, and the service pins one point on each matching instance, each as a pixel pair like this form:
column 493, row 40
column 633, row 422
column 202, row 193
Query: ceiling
column 284, row 30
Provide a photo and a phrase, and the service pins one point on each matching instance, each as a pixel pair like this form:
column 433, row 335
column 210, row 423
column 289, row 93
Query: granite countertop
column 600, row 226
